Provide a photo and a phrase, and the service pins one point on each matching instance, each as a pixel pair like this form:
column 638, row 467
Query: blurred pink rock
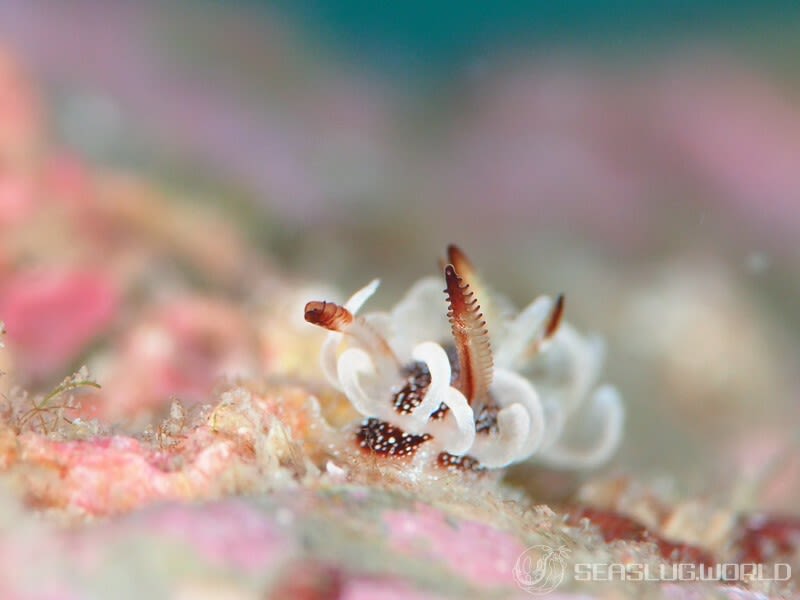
column 482, row 554
column 20, row 111
column 549, row 144
column 767, row 466
column 304, row 148
column 169, row 547
column 695, row 591
column 17, row 198
column 228, row 534
column 52, row 315
column 382, row 589
column 68, row 180
column 739, row 135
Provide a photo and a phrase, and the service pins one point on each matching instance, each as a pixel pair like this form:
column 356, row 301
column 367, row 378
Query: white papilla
column 607, row 416
column 591, row 419
column 520, row 422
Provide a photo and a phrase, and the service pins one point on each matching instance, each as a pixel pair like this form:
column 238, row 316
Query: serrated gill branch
column 471, row 338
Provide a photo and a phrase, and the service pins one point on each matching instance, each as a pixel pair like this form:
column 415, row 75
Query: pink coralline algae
column 180, row 350
column 245, row 443
column 113, row 475
column 52, row 314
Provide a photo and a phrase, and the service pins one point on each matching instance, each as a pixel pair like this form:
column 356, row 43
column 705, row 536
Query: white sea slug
column 427, row 378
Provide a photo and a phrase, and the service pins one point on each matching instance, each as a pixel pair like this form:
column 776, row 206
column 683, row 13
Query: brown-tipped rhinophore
column 328, row 315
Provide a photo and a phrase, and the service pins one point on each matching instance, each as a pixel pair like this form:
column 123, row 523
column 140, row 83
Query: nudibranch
column 433, row 387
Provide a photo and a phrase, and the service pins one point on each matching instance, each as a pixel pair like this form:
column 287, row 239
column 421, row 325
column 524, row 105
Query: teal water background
column 438, row 34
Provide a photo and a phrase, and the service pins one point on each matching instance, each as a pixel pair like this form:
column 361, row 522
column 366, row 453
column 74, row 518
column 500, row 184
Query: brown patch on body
column 408, row 395
column 451, row 462
column 486, row 419
column 382, row 438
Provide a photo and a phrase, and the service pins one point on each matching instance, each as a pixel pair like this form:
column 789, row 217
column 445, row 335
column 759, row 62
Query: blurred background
column 642, row 158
